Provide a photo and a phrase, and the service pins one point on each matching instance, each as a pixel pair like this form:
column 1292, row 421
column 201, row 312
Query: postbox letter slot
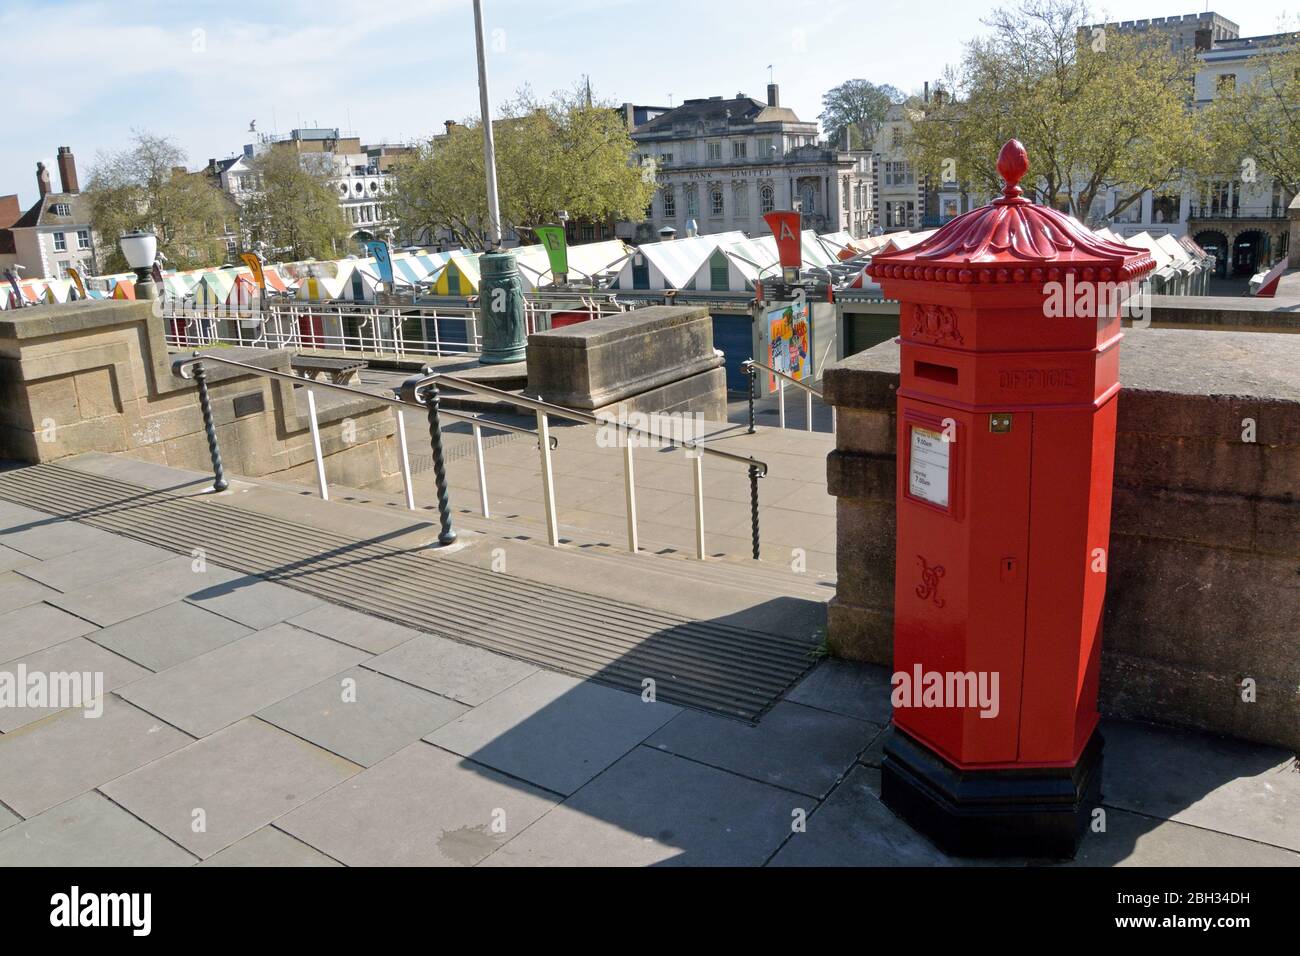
column 935, row 373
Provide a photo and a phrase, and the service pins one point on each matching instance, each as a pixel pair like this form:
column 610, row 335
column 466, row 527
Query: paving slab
column 1131, row 839
column 1244, row 789
column 241, row 778
column 553, row 730
column 44, row 536
column 463, row 673
column 240, row 678
column 255, row 603
column 269, row 847
column 10, row 559
column 653, row 808
column 170, row 635
column 89, row 830
column 795, row 747
column 8, row 818
column 78, row 656
column 362, row 715
column 82, row 568
column 351, row 627
column 853, row 828
column 420, row 807
column 846, row 687
column 117, row 599
column 15, row 517
column 36, row 627
column 17, row 591
column 46, row 763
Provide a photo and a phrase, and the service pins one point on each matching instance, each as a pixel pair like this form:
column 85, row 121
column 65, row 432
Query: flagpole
column 489, row 145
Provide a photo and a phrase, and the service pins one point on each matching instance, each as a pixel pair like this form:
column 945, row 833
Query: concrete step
column 726, row 650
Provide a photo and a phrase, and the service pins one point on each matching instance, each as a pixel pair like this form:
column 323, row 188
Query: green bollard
column 501, row 309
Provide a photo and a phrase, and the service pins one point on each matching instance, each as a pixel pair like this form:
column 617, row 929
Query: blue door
column 734, row 334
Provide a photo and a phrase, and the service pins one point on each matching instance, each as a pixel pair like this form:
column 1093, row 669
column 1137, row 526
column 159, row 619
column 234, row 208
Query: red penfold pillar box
column 1009, row 322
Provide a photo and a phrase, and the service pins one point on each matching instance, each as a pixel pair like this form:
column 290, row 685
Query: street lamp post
column 501, row 294
column 140, row 249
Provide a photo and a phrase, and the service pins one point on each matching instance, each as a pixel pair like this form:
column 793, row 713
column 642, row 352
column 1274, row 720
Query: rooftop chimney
column 42, row 179
column 773, row 95
column 449, row 124
column 68, row 170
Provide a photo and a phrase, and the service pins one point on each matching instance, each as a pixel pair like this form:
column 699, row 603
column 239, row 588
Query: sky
column 84, row 74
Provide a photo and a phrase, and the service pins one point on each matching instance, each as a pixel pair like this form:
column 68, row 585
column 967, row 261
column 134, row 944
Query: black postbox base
column 991, row 813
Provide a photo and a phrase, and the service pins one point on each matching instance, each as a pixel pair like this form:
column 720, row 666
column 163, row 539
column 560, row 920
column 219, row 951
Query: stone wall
column 96, row 376
column 1203, row 588
column 656, row 359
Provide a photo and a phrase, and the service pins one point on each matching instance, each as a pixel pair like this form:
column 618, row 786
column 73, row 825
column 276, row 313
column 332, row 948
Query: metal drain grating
column 704, row 665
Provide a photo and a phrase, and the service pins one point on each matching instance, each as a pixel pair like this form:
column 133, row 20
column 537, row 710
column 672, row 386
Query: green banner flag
column 557, row 248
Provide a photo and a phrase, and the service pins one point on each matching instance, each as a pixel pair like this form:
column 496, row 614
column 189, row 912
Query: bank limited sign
column 739, row 172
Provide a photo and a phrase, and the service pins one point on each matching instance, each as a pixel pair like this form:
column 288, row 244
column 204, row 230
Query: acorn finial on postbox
column 1013, row 163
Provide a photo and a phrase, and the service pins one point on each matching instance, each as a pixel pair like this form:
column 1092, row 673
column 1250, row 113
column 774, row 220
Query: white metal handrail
column 414, row 386
column 183, row 367
column 782, row 378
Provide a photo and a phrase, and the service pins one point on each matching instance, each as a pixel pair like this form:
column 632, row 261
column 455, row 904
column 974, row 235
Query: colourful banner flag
column 557, row 248
column 75, row 276
column 786, row 227
column 383, row 257
column 255, row 266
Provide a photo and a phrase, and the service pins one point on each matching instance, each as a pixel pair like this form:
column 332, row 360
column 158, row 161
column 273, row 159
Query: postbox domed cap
column 1012, row 240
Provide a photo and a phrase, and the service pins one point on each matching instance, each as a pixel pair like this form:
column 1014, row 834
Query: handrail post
column 753, row 507
column 315, row 446
column 698, row 455
column 753, row 379
column 482, row 470
column 629, row 491
column 448, row 534
column 548, row 479
column 808, row 407
column 219, row 482
column 780, row 399
column 404, row 453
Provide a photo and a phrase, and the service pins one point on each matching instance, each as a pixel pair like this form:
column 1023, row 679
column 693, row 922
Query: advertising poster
column 788, row 349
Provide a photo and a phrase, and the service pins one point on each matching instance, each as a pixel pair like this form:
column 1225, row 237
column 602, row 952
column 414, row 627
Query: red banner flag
column 786, row 227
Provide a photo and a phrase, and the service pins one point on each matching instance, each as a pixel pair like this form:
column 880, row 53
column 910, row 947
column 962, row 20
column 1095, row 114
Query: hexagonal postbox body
column 1010, row 331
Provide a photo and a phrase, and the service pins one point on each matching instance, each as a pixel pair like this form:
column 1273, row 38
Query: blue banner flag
column 383, row 257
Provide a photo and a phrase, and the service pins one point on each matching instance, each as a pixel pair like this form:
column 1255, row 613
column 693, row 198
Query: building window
column 898, row 174
column 1165, row 209
column 670, row 203
column 61, row 209
column 715, row 152
column 1132, row 214
column 692, row 201
column 740, row 198
column 716, row 207
column 766, row 199
column 60, row 242
column 688, row 152
column 765, row 148
column 666, row 159
column 845, row 194
column 83, row 239
column 739, row 149
column 588, row 233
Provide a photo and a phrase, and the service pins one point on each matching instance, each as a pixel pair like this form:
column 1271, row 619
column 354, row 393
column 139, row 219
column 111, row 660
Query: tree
column 1099, row 112
column 859, row 106
column 566, row 154
column 294, row 211
column 146, row 187
column 1254, row 127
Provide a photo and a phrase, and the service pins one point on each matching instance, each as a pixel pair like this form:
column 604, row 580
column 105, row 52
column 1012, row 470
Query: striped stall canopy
column 672, row 264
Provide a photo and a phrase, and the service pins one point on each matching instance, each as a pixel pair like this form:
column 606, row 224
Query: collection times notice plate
column 928, row 478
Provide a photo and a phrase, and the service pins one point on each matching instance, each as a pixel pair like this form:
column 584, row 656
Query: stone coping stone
column 593, row 364
column 1181, row 361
